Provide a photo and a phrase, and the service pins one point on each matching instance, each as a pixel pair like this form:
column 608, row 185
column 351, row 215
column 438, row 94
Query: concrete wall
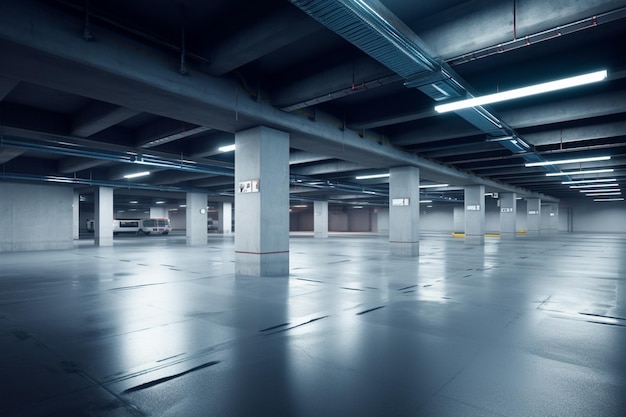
column 437, row 218
column 340, row 219
column 360, row 220
column 596, row 217
column 337, row 220
column 35, row 217
column 301, row 221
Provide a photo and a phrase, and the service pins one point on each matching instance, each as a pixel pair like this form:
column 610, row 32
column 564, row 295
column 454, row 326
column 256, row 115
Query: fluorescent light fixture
column 609, row 190
column 568, row 161
column 300, row 205
column 160, row 202
column 227, row 148
column 369, row 177
column 609, row 199
column 182, row 205
column 357, row 207
column 137, row 174
column 500, row 139
column 426, row 201
column 591, row 171
column 593, row 185
column 433, row 185
column 589, row 181
column 599, row 194
column 524, row 91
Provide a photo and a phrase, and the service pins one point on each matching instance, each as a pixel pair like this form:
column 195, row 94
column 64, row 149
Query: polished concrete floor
column 150, row 327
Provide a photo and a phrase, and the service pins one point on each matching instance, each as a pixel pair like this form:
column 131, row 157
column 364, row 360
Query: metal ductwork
column 380, row 34
column 371, row 27
column 65, row 145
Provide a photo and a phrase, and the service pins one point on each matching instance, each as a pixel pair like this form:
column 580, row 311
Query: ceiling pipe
column 67, row 145
column 76, row 62
column 550, row 34
column 371, row 27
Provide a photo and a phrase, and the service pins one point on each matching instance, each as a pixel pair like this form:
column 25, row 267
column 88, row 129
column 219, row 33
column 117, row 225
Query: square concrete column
column 320, row 219
column 75, row 215
column 382, row 221
column 404, row 202
column 475, row 215
column 553, row 218
column 262, row 202
column 533, row 221
column 103, row 205
column 458, row 219
column 226, row 218
column 156, row 212
column 196, row 219
column 508, row 216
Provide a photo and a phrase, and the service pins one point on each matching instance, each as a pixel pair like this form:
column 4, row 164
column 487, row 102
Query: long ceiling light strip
column 608, row 199
column 602, row 194
column 610, row 190
column 568, row 161
column 524, row 91
column 372, row 176
column 227, row 148
column 591, row 171
column 589, row 181
column 433, row 185
column 137, row 174
column 594, row 185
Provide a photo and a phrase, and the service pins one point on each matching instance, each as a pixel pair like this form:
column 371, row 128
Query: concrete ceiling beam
column 6, row 86
column 264, row 36
column 99, row 116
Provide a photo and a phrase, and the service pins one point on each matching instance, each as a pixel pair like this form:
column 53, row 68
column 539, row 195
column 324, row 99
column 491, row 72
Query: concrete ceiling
column 88, row 87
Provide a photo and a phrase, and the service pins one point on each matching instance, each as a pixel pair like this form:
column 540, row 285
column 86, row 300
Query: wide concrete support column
column 508, row 216
column 196, row 219
column 533, row 219
column 158, row 212
column 553, row 218
column 320, row 219
column 475, row 215
column 458, row 219
column 262, row 202
column 75, row 215
column 404, row 201
column 226, row 218
column 382, row 221
column 103, row 205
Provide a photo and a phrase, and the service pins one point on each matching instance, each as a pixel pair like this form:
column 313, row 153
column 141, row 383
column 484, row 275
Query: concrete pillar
column 226, row 218
column 196, row 219
column 475, row 215
column 533, row 221
column 320, row 219
column 382, row 221
column 262, row 202
column 458, row 219
column 553, row 217
column 404, row 211
column 508, row 216
column 103, row 216
column 156, row 212
column 76, row 215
